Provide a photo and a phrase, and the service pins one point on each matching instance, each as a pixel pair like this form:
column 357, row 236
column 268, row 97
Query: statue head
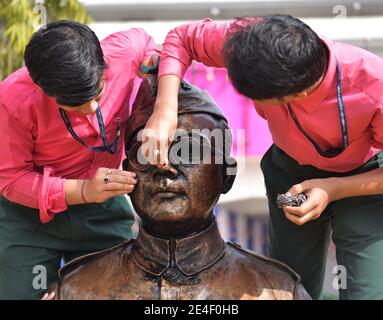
column 178, row 199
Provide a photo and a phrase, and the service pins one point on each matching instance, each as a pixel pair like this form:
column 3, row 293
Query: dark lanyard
column 342, row 114
column 106, row 146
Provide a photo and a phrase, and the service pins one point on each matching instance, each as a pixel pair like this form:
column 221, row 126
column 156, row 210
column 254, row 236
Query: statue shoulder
column 85, row 259
column 269, row 261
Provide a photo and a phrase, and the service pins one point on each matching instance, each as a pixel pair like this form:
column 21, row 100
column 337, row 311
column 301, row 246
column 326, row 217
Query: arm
column 131, row 48
column 368, row 183
column 365, row 184
column 21, row 183
column 144, row 47
column 201, row 41
column 162, row 123
column 19, row 180
column 321, row 192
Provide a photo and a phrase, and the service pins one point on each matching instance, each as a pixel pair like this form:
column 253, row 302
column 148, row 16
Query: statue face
column 178, row 200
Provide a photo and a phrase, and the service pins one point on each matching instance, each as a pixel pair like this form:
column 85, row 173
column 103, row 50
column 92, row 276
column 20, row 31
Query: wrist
column 168, row 115
column 335, row 190
column 83, row 191
column 165, row 106
column 167, row 95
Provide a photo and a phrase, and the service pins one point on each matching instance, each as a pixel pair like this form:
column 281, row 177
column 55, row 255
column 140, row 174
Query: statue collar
column 189, row 255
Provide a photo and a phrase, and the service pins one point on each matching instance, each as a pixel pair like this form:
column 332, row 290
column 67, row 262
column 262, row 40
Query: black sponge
column 287, row 199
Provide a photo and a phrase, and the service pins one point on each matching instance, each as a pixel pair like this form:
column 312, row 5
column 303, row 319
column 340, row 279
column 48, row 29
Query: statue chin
column 168, row 216
column 167, row 208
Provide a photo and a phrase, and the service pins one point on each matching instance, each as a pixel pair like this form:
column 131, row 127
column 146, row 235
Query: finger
column 111, row 194
column 305, row 208
column 291, row 211
column 164, row 149
column 120, row 187
column 293, row 218
column 143, row 67
column 124, row 193
column 151, row 152
column 312, row 215
column 125, row 173
column 48, row 296
column 296, row 189
column 121, row 172
column 164, row 142
column 161, row 157
column 155, row 59
column 147, row 62
column 157, row 156
column 161, row 150
column 160, row 153
column 113, row 178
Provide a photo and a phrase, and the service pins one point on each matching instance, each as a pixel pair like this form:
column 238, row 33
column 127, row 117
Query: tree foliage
column 20, row 18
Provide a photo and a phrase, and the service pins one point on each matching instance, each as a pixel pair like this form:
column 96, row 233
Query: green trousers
column 31, row 252
column 355, row 225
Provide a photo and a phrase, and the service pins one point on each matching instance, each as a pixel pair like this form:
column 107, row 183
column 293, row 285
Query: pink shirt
column 38, row 152
column 362, row 84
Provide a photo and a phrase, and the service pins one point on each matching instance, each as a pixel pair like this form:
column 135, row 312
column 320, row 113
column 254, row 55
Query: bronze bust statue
column 179, row 252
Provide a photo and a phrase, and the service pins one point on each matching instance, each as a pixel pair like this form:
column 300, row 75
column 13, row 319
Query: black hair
column 273, row 56
column 66, row 61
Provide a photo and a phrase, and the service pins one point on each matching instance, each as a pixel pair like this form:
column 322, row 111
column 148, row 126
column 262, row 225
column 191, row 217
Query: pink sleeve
column 135, row 40
column 201, row 41
column 19, row 182
column 142, row 42
column 377, row 128
column 150, row 47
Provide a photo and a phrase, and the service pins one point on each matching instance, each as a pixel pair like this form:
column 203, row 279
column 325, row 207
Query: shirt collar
column 190, row 255
column 315, row 98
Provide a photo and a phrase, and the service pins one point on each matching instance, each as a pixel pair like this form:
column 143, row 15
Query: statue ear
column 229, row 172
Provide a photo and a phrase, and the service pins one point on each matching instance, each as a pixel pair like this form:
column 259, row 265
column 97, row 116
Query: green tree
column 20, row 18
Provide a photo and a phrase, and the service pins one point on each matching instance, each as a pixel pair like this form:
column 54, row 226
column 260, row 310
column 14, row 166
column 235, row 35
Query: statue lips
column 168, row 192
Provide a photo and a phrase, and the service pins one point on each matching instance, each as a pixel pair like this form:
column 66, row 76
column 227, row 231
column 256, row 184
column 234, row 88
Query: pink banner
column 239, row 110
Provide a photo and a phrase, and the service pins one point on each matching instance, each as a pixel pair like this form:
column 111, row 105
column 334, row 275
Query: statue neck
column 187, row 255
column 175, row 229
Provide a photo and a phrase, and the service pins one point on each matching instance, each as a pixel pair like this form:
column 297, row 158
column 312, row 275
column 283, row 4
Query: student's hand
column 320, row 193
column 107, row 183
column 158, row 133
column 49, row 296
column 149, row 66
column 162, row 124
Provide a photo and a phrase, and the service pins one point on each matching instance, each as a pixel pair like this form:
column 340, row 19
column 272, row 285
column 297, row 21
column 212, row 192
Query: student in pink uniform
column 324, row 106
column 62, row 123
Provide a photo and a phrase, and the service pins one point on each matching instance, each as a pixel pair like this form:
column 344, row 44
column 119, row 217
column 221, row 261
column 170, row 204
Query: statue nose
column 166, row 170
